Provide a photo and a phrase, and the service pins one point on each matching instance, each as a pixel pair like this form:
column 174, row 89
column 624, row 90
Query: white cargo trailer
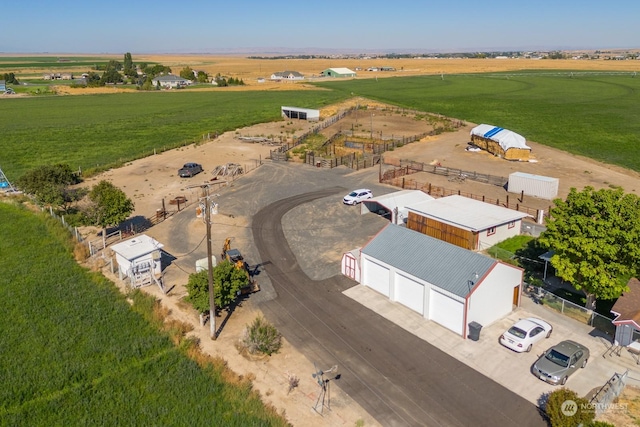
column 543, row 187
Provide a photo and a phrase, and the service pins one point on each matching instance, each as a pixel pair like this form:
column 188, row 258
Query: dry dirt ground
column 148, row 181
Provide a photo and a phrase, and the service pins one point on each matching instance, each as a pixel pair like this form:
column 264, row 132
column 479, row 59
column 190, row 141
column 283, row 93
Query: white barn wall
column 503, row 232
column 493, row 297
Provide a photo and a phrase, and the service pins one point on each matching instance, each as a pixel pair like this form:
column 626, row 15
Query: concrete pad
column 508, row 368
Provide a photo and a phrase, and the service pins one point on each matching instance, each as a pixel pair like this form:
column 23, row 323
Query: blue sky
column 190, row 26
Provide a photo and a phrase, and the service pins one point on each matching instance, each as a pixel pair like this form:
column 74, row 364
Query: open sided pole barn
column 300, row 113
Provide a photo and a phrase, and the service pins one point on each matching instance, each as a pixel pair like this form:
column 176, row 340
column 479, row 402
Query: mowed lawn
column 74, row 352
column 591, row 114
column 95, row 131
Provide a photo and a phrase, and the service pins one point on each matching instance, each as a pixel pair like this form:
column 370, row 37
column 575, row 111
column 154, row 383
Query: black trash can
column 474, row 331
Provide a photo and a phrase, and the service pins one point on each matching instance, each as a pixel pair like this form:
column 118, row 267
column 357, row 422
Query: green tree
column 565, row 408
column 49, row 185
column 128, row 63
column 202, row 77
column 108, row 205
column 596, row 239
column 187, row 73
column 227, row 282
column 10, row 78
column 111, row 75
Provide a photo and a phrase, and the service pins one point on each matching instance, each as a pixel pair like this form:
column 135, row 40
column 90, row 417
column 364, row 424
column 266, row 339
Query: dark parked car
column 560, row 361
column 189, row 170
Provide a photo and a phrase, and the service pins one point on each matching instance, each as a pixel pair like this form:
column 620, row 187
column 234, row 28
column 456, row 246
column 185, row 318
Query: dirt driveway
column 148, row 181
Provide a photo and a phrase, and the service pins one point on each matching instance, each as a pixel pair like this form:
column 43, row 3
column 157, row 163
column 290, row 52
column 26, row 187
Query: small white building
column 465, row 222
column 139, row 260
column 443, row 282
column 543, row 187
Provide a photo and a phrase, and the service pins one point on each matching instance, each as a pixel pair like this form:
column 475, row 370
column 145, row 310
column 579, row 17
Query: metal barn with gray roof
column 446, row 284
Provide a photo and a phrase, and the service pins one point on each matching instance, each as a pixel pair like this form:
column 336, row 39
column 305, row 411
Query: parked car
column 189, row 170
column 525, row 333
column 560, row 361
column 357, row 196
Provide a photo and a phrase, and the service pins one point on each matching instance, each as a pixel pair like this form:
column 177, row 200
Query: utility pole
column 212, row 300
column 207, row 216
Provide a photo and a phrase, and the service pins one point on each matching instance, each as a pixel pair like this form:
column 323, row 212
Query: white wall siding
column 502, row 233
column 493, row 298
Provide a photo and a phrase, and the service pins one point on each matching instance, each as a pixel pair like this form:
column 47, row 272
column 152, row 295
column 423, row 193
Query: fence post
column 562, row 306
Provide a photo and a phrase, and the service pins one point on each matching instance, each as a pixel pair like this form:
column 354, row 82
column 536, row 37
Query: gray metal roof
column 440, row 263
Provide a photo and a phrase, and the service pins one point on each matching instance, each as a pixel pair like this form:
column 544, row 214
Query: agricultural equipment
column 235, row 257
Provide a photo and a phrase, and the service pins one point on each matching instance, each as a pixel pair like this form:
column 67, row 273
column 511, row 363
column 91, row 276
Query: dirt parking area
column 151, row 180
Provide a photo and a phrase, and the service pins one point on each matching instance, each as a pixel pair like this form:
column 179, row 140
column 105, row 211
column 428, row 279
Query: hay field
column 249, row 70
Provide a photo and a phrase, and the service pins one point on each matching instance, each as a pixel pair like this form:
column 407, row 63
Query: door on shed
column 446, row 311
column 409, row 292
column 376, row 277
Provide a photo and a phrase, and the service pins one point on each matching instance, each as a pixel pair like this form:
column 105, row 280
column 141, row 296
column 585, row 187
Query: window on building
column 512, row 224
column 491, row 231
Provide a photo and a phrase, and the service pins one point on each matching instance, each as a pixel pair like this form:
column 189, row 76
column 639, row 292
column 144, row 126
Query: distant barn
column 501, row 142
column 300, row 113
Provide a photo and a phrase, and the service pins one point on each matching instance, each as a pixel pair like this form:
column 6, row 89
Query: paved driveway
column 397, row 377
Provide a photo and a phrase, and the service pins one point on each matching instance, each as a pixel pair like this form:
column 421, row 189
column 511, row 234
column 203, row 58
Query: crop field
column 74, row 352
column 19, row 64
column 591, row 114
column 96, row 131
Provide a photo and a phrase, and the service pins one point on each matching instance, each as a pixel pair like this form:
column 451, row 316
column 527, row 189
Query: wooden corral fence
column 353, row 160
column 402, row 181
column 408, row 167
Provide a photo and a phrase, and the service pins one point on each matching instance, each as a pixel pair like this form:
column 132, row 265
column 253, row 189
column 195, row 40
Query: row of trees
column 55, row 186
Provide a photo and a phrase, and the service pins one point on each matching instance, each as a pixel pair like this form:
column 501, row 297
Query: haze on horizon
column 249, row 26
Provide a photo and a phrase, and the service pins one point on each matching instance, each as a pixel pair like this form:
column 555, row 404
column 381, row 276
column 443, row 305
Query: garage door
column 410, row 293
column 446, row 311
column 376, row 277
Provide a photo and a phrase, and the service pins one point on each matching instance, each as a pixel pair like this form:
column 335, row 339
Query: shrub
column 566, row 409
column 261, row 337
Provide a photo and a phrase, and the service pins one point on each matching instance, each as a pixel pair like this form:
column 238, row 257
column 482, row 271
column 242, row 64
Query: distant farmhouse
column 338, row 72
column 287, row 75
column 170, row 81
column 57, row 76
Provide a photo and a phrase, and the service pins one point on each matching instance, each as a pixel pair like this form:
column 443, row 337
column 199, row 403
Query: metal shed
column 543, row 187
column 300, row 113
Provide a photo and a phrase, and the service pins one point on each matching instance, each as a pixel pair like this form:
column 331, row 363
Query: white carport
column 393, row 206
column 447, row 284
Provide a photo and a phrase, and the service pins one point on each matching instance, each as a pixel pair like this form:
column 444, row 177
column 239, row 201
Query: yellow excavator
column 235, row 257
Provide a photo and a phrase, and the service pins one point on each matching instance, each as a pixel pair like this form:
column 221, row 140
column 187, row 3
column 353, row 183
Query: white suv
column 357, row 196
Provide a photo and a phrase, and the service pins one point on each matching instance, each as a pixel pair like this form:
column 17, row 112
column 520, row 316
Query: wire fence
column 567, row 308
column 602, row 401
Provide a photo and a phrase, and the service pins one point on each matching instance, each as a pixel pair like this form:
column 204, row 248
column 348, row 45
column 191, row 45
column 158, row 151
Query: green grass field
column 591, row 114
column 74, row 352
column 95, row 131
column 19, row 63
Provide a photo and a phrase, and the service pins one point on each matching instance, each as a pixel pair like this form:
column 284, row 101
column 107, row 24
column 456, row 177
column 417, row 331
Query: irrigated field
column 589, row 114
column 74, row 352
